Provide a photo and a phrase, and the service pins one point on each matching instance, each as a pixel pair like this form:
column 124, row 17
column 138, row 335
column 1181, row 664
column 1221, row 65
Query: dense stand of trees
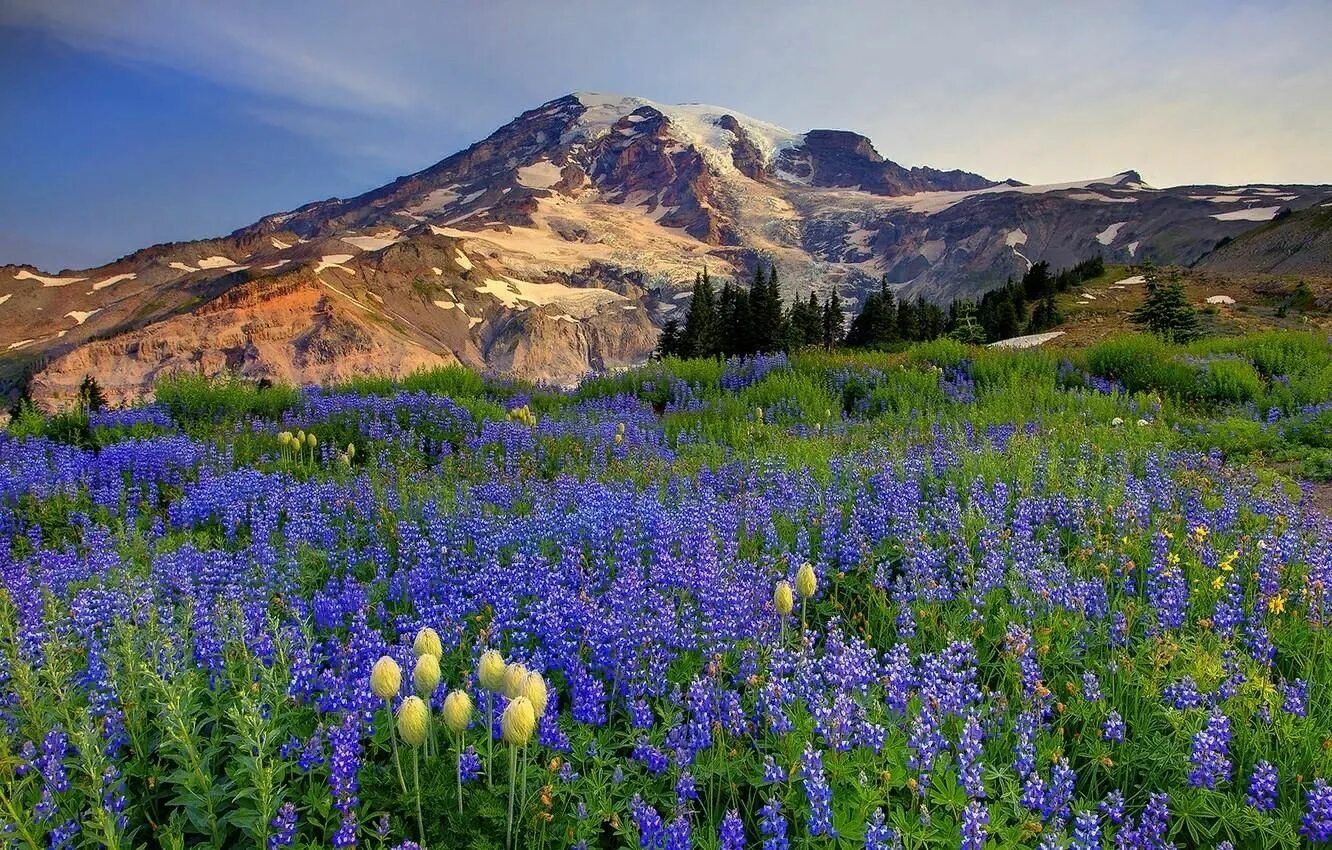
column 737, row 321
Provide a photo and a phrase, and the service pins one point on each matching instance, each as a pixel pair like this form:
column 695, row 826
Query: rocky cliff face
column 559, row 245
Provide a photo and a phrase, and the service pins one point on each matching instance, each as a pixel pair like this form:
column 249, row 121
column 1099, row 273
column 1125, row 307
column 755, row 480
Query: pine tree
column 805, row 322
column 1166, row 311
column 833, row 320
column 1044, row 315
column 91, row 398
column 701, row 337
column 668, row 344
column 907, row 329
column 962, row 323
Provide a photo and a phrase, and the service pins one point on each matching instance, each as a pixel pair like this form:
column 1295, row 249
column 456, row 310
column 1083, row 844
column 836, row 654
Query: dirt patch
column 1321, row 493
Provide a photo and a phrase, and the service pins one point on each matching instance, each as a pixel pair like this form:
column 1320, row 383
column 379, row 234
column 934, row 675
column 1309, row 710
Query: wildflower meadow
column 942, row 598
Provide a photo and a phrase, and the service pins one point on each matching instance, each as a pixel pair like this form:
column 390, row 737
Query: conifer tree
column 668, row 344
column 1166, row 311
column 701, row 337
column 91, row 398
column 833, row 320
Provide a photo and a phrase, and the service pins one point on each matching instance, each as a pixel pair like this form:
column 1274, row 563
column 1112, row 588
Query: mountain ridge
column 560, row 243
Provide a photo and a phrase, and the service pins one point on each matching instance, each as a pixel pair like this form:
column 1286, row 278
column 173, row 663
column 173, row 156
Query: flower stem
column 416, row 776
column 397, row 756
column 513, row 776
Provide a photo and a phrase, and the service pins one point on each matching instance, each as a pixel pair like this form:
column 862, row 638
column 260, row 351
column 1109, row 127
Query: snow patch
column 372, row 243
column 1097, row 196
column 182, row 267
column 462, row 261
column 1249, row 214
column 24, row 274
column 1132, row 248
column 279, row 244
column 1220, row 299
column 333, row 261
column 699, row 125
column 1015, row 238
column 539, row 175
column 6, row 297
column 521, row 294
column 437, row 270
column 103, row 284
column 1132, row 281
column 215, row 262
column 1105, row 237
column 278, row 264
column 19, row 344
column 1027, row 341
column 80, row 316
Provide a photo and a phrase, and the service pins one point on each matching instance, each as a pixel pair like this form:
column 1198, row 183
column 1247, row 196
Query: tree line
column 739, row 321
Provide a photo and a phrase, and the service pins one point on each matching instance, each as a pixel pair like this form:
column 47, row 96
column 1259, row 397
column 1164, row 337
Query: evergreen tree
column 765, row 312
column 1166, row 311
column 805, row 322
column 875, row 326
column 907, row 328
column 962, row 324
column 1044, row 315
column 91, row 398
column 701, row 337
column 833, row 320
column 668, row 344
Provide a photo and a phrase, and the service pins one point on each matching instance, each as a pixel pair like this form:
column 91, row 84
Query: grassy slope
column 1257, row 300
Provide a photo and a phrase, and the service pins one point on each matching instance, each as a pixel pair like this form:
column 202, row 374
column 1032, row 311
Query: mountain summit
column 560, row 243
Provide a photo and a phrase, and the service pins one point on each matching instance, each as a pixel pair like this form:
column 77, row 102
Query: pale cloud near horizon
column 1184, row 92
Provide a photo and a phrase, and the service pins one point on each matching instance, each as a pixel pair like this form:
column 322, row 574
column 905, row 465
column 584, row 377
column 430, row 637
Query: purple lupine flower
column 1086, row 831
column 1316, row 825
column 470, row 764
column 283, row 826
column 969, row 758
column 772, row 825
column 679, row 833
column 1211, row 752
column 817, row 793
column 878, row 835
column 1113, row 728
column 1295, row 697
column 651, row 832
column 732, row 834
column 975, row 819
column 1263, row 787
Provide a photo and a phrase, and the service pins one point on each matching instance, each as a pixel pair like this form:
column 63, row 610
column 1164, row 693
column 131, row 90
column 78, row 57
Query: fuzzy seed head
column 513, row 679
column 806, row 583
column 518, row 722
column 457, row 711
column 385, row 678
column 490, row 670
column 428, row 643
column 426, row 675
column 782, row 599
column 413, row 721
column 534, row 688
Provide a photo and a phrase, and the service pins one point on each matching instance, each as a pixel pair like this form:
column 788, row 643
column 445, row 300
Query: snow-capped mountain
column 559, row 244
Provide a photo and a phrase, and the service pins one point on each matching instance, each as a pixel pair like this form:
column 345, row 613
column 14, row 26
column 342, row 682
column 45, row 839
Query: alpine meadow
column 646, row 475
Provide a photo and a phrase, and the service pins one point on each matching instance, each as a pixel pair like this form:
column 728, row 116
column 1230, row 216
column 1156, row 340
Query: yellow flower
column 534, row 688
column 385, row 678
column 1200, row 533
column 513, row 679
column 782, row 599
column 490, row 670
column 426, row 675
column 428, row 643
column 518, row 721
column 413, row 721
column 457, row 711
column 1217, row 583
column 1277, row 604
column 806, row 583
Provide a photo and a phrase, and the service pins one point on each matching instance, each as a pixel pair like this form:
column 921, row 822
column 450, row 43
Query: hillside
column 560, row 244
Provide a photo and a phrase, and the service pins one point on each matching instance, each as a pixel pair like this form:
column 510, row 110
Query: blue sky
column 132, row 123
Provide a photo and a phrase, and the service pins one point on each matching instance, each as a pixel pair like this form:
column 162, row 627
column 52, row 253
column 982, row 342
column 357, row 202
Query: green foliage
column 196, row 399
column 1166, row 310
